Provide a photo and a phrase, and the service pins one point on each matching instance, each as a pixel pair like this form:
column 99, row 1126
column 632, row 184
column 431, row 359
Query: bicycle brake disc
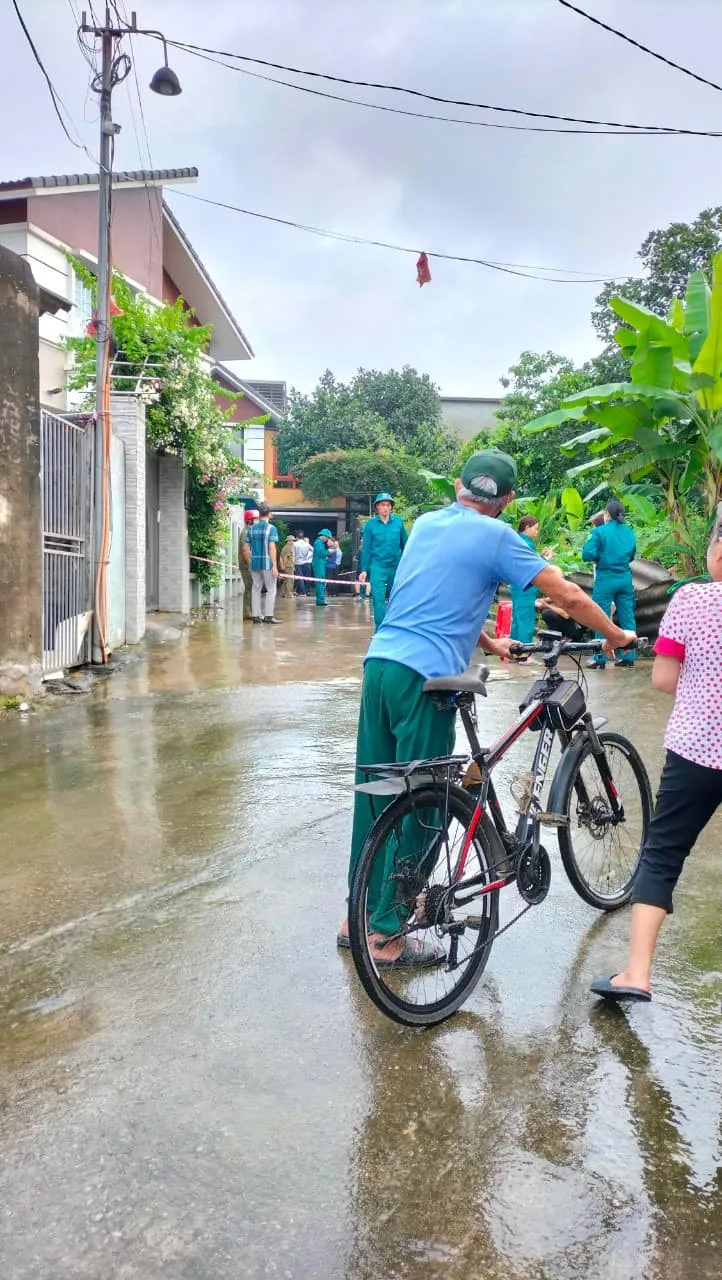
column 534, row 876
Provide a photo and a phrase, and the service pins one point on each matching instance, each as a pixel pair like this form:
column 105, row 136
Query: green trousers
column 397, row 722
column 381, row 579
column 319, row 571
column 615, row 589
column 247, row 589
column 523, row 615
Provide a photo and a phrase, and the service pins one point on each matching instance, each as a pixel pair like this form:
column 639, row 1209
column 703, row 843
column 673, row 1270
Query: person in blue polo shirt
column 384, row 539
column 434, row 622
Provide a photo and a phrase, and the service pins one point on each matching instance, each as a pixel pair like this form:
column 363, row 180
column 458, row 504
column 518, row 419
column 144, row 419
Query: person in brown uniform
column 288, row 565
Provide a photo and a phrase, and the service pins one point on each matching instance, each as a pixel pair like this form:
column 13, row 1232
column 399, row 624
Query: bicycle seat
column 471, row 681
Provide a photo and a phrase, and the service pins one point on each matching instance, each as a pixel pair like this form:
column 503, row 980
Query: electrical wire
column 643, row 47
column 425, row 115
column 55, row 97
column 431, row 97
column 514, row 269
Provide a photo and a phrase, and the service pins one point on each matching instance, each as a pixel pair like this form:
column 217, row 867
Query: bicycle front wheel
column 414, row 854
column 601, row 852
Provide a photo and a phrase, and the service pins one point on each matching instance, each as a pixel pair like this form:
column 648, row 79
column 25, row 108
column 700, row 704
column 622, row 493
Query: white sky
column 306, row 303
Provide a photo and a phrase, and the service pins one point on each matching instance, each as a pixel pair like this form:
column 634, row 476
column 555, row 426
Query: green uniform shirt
column 382, row 543
column 320, row 553
column 612, row 547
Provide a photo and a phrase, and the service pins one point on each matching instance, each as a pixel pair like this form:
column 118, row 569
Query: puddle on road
column 190, row 1072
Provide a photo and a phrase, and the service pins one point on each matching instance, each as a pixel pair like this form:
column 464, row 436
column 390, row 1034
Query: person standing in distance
column 319, row 563
column 384, row 539
column 261, row 552
column 612, row 547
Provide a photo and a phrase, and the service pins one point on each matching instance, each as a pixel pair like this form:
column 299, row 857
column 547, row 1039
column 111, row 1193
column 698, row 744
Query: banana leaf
column 597, row 433
column 554, row 419
column 696, row 309
column 652, row 362
column 645, row 321
column 709, row 359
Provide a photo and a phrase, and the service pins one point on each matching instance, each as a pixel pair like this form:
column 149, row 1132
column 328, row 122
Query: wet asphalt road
column 192, row 1083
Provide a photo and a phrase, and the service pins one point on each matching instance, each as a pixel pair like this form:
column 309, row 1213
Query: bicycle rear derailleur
column 534, row 875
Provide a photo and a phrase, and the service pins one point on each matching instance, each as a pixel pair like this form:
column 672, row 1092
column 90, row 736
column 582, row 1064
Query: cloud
column 307, row 303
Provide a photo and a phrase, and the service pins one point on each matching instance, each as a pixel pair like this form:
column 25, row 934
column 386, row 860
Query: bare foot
column 628, row 979
column 383, row 948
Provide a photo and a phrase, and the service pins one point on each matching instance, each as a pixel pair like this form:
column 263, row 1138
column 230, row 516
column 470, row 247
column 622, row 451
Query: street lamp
column 165, row 81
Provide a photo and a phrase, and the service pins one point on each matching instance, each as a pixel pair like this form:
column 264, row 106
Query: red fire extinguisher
column 503, row 619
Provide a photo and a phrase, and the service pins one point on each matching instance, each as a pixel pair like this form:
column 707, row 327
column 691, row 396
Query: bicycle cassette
column 534, row 876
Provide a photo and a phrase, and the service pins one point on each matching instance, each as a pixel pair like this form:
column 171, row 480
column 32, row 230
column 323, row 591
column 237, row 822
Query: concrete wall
column 465, row 418
column 21, row 563
column 128, row 419
column 174, row 571
column 116, row 566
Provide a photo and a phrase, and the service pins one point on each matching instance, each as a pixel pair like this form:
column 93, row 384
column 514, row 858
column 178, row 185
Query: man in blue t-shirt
column 453, row 562
column 261, row 553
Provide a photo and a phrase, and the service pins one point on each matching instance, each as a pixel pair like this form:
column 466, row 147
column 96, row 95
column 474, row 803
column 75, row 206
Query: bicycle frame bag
column 566, row 704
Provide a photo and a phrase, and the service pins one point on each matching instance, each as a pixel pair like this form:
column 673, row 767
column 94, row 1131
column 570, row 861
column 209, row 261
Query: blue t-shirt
column 452, row 565
column 260, row 536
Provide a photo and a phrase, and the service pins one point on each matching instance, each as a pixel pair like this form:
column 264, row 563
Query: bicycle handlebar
column 555, row 645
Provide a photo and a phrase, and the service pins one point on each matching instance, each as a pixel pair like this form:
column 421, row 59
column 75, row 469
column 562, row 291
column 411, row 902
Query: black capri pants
column 688, row 797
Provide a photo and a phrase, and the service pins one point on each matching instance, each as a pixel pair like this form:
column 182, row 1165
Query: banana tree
column 666, row 423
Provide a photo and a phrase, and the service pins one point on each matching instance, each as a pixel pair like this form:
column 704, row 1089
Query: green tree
column 362, row 473
column 665, row 424
column 669, row 257
column 374, row 411
column 537, row 384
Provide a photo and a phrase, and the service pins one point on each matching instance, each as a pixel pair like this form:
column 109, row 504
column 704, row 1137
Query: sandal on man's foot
column 415, row 955
column 343, row 941
column 605, row 988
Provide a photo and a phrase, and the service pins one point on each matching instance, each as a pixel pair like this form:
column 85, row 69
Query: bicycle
column 438, row 856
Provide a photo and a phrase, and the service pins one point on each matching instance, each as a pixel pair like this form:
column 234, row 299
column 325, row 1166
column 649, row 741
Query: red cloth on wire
column 423, row 271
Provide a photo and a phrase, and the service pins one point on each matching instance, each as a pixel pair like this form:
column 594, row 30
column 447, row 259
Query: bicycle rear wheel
column 601, row 854
column 415, row 848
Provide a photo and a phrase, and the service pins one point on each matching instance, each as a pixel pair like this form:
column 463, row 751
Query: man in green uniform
column 318, row 565
column 612, row 548
column 384, row 539
column 249, row 518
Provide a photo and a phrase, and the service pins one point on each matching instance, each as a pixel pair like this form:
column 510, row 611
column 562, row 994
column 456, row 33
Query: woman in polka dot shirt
column 688, row 664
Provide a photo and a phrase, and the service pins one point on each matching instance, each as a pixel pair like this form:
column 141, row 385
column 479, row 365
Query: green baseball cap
column 489, row 474
column 382, row 497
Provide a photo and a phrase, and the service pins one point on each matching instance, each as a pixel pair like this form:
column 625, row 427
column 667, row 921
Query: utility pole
column 108, row 130
column 165, row 82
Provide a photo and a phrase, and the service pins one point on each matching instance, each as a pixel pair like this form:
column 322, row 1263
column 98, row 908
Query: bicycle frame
column 527, row 827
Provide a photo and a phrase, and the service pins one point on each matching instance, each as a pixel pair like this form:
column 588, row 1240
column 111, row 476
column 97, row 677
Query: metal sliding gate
column 66, row 483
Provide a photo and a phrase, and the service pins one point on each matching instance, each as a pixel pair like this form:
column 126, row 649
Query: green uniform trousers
column 319, row 571
column 247, row 589
column 381, row 579
column 523, row 615
column 615, row 589
column 397, row 722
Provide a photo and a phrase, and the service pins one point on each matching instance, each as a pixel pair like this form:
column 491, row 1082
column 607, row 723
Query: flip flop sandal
column 343, row 941
column 603, row 987
column 415, row 955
